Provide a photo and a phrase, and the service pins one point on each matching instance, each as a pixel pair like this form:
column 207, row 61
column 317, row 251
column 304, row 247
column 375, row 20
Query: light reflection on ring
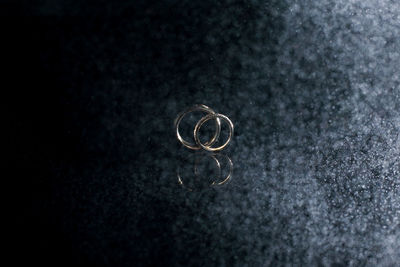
column 194, row 178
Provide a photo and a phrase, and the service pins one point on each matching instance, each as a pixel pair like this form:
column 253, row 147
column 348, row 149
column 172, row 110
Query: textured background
column 313, row 88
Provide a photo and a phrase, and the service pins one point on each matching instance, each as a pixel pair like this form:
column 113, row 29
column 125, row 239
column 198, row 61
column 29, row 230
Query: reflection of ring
column 207, row 118
column 203, row 108
column 230, row 168
column 215, row 157
column 196, row 163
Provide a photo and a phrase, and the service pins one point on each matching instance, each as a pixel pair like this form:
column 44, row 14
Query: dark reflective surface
column 199, row 173
column 313, row 92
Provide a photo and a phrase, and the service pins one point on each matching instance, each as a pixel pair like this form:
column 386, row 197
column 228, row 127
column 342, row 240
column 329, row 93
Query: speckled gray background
column 313, row 88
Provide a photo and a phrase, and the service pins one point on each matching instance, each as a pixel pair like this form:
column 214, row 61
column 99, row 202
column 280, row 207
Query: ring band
column 205, row 119
column 203, row 108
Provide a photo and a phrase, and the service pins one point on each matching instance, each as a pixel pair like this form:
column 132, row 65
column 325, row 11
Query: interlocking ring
column 207, row 118
column 211, row 115
column 203, row 108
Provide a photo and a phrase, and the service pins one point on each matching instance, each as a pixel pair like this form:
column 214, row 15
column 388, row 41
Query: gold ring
column 203, row 108
column 207, row 118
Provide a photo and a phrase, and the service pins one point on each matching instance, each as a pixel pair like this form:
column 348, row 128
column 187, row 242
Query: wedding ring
column 207, row 118
column 203, row 108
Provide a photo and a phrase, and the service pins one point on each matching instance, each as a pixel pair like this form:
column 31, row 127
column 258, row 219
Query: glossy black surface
column 312, row 89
